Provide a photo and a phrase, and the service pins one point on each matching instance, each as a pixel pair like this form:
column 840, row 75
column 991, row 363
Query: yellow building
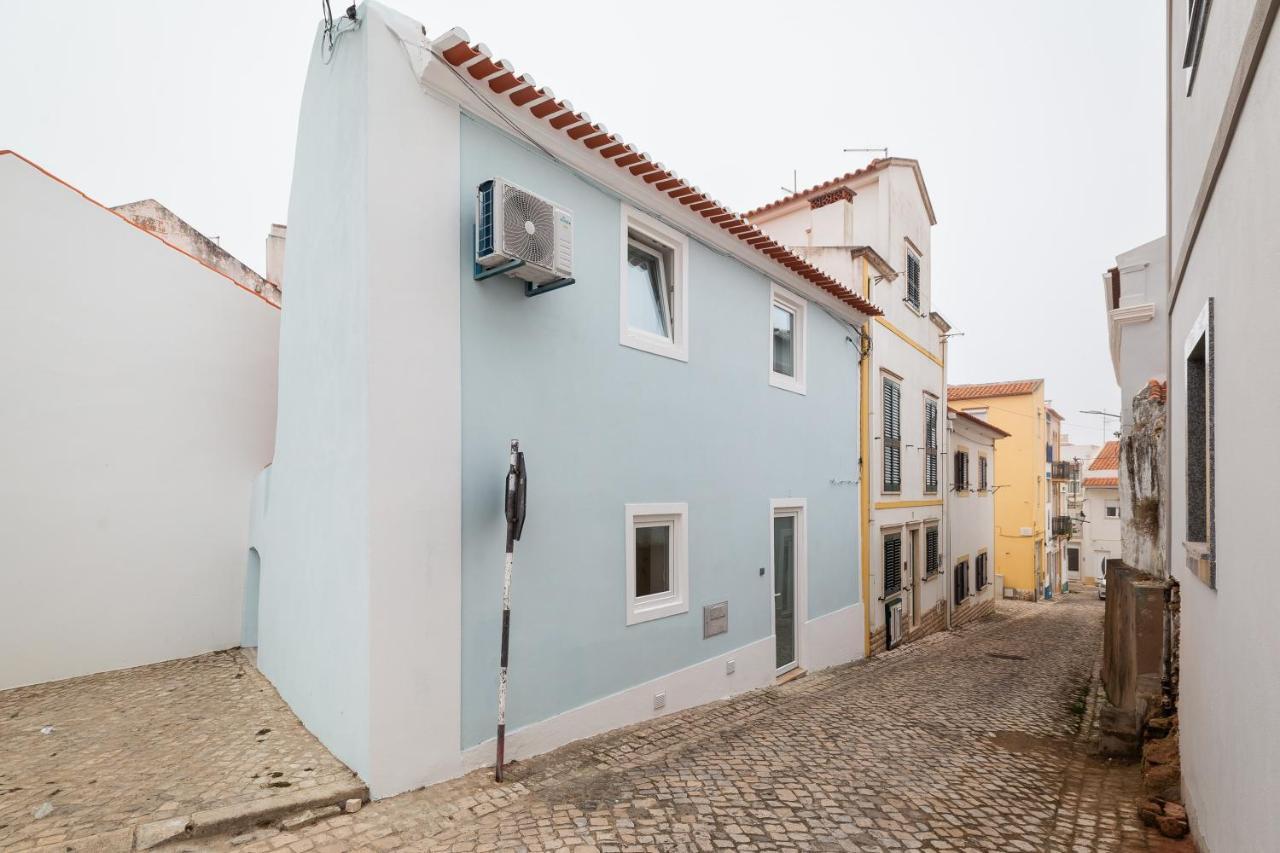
column 1018, row 408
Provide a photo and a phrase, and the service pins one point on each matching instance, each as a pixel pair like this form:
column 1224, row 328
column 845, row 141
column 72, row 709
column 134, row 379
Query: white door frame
column 795, row 507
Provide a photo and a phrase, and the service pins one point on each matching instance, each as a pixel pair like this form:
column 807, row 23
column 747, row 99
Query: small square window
column 654, row 296
column 657, row 561
column 1113, row 511
column 786, row 341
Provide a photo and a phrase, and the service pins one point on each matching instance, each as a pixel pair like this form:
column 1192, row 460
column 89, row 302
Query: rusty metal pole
column 514, row 506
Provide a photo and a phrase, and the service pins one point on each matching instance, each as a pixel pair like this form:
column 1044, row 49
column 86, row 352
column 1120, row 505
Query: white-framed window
column 654, row 292
column 787, row 319
column 1113, row 510
column 657, row 543
column 891, row 434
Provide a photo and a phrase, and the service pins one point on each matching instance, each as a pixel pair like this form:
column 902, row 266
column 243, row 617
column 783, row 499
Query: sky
column 1039, row 125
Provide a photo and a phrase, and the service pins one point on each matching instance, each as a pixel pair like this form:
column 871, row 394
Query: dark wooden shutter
column 931, row 562
column 961, row 473
column 913, row 280
column 892, row 437
column 982, row 473
column 930, row 446
column 892, row 564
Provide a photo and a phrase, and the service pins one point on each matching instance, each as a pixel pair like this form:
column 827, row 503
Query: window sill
column 930, row 576
column 647, row 612
column 787, row 383
column 655, row 345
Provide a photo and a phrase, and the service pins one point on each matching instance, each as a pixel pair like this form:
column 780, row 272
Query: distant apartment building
column 1100, row 513
column 1021, row 517
column 1058, row 522
column 970, row 513
column 872, row 228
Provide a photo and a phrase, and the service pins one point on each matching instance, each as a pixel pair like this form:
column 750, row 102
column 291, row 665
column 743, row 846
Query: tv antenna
column 884, row 152
column 795, row 186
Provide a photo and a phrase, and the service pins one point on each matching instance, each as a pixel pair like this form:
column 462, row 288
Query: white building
column 1100, row 527
column 1223, row 396
column 1079, row 455
column 970, row 514
column 139, row 389
column 871, row 228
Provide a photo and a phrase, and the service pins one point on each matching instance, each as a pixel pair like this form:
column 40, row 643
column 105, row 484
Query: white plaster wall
column 1144, row 277
column 971, row 515
column 313, row 536
column 139, row 392
column 1230, row 669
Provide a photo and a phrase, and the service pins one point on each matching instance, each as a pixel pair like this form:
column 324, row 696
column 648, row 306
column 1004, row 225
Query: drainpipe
column 947, row 499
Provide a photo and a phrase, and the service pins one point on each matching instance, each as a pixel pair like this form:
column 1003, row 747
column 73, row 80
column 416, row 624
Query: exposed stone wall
column 1142, row 482
column 164, row 223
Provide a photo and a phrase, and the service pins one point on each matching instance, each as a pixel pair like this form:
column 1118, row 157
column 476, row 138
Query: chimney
column 275, row 255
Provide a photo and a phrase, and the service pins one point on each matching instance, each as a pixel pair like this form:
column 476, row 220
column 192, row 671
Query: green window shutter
column 913, row 280
column 930, row 446
column 892, row 435
column 892, row 564
column 931, row 551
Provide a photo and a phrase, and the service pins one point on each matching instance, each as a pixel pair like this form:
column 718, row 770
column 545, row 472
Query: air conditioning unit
column 522, row 235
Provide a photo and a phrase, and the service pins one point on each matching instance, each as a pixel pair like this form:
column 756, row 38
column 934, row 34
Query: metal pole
column 506, row 612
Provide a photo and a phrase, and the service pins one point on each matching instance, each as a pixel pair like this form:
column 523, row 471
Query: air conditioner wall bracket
column 530, row 289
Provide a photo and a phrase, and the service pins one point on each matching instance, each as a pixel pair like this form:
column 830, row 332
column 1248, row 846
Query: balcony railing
column 1062, row 525
column 1064, row 470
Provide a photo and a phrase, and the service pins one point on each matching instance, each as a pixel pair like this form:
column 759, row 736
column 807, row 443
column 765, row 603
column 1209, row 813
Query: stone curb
column 228, row 819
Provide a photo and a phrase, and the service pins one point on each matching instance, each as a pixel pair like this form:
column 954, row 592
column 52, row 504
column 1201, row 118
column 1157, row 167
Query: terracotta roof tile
column 1108, row 458
column 1101, row 482
column 1012, row 388
column 499, row 83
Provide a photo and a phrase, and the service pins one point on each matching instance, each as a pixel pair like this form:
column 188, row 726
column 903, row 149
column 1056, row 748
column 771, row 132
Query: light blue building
column 688, row 407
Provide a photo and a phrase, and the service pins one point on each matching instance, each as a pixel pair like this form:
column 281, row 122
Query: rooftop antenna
column 884, row 152
column 795, row 188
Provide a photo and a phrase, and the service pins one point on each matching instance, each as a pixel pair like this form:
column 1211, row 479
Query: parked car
column 1102, row 587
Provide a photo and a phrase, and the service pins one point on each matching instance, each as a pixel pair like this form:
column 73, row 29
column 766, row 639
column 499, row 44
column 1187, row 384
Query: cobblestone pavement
column 974, row 740
column 142, row 744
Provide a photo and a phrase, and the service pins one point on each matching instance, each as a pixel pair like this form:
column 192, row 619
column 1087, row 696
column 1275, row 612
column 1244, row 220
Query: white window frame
column 676, row 600
column 651, row 230
column 784, row 299
column 1107, row 510
column 798, row 507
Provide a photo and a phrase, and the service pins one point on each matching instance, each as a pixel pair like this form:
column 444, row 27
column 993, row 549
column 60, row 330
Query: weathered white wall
column 1230, row 669
column 1101, row 534
column 1138, row 325
column 139, row 391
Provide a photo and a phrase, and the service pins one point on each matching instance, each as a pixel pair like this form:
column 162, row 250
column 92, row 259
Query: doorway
column 788, row 583
column 1073, row 563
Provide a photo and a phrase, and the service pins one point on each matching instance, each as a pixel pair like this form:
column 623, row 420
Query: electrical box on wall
column 715, row 619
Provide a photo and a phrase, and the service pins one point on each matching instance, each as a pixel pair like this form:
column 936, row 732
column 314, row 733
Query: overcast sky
column 1039, row 126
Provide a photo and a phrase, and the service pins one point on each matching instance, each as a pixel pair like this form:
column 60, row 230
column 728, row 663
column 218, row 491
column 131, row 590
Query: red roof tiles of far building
column 503, row 86
column 979, row 391
column 1102, row 482
column 1108, row 458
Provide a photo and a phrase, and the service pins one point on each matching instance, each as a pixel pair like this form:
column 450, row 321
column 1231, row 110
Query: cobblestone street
column 974, row 740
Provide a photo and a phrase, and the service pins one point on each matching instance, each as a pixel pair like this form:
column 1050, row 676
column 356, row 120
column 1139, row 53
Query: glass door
column 784, row 591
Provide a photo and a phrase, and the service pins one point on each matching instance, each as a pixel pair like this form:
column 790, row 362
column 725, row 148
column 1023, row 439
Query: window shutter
column 913, row 280
column 931, row 551
column 892, row 437
column 982, row 473
column 930, row 446
column 892, row 564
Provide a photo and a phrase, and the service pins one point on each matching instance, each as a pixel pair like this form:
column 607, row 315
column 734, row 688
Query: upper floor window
column 961, row 474
column 932, row 563
column 913, row 279
column 654, row 292
column 787, row 344
column 1197, row 12
column 891, row 432
column 1200, row 393
column 982, row 473
column 930, row 445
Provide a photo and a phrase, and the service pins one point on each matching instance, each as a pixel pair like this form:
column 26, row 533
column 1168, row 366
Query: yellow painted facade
column 1020, row 499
